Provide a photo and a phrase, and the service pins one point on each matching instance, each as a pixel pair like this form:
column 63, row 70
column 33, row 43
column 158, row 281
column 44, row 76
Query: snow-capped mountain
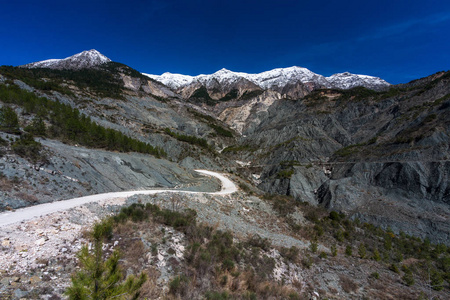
column 273, row 79
column 85, row 59
column 347, row 80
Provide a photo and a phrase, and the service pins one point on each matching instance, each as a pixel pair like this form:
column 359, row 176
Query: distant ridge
column 276, row 78
column 85, row 59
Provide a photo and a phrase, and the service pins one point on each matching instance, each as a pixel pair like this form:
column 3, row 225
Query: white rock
column 40, row 242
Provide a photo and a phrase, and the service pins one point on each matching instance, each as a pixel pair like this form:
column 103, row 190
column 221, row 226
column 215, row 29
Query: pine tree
column 9, row 122
column 348, row 250
column 362, row 250
column 101, row 279
column 37, row 127
column 376, row 255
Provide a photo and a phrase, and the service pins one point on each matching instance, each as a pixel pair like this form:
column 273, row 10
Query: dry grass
column 124, row 229
column 150, row 289
column 6, row 184
column 27, row 197
column 347, row 284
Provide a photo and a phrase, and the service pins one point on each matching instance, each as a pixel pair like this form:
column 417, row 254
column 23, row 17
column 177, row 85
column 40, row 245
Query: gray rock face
column 379, row 158
column 378, row 155
column 76, row 171
column 412, row 196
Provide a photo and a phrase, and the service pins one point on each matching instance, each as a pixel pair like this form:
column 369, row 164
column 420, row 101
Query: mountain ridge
column 349, row 160
column 85, row 59
column 280, row 132
column 276, row 78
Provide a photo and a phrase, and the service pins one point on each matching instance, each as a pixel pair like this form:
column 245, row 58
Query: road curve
column 27, row 213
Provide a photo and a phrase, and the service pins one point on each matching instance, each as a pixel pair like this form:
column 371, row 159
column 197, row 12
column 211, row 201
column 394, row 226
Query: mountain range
column 284, row 116
column 274, row 79
column 346, row 146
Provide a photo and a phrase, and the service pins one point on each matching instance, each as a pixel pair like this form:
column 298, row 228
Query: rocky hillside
column 321, row 162
column 90, row 130
column 350, row 143
column 355, row 151
column 235, row 246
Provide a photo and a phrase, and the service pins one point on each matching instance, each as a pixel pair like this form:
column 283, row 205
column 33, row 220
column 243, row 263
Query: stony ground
column 38, row 256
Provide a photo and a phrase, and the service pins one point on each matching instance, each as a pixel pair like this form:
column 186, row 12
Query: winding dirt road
column 8, row 218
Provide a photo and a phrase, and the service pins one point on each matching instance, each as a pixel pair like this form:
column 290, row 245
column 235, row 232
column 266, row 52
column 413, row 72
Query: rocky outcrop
column 412, row 197
column 358, row 154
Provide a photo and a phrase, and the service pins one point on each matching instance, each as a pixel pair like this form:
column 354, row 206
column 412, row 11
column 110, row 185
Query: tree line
column 66, row 123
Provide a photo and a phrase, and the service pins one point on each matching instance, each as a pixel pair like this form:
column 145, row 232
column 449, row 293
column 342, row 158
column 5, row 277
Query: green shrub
column 394, row 268
column 259, row 242
column 334, row 216
column 339, row 236
column 188, row 138
column 178, row 285
column 313, row 247
column 437, row 282
column 285, row 174
column 290, row 253
column 333, row 250
column 102, row 230
column 283, row 205
column 227, row 264
column 221, row 131
column 307, row 261
column 9, row 122
column 217, row 296
column 37, row 127
column 376, row 255
column 362, row 250
column 28, row 148
column 319, row 230
column 348, row 250
column 408, row 278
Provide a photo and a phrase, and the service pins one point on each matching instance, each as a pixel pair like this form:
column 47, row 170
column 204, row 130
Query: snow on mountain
column 174, row 81
column 347, row 80
column 85, row 59
column 282, row 76
column 276, row 78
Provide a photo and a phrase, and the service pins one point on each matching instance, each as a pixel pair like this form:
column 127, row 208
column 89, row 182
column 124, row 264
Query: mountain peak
column 348, row 80
column 85, row 59
column 276, row 78
column 223, row 70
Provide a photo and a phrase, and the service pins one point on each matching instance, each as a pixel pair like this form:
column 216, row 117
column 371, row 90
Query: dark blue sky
column 397, row 40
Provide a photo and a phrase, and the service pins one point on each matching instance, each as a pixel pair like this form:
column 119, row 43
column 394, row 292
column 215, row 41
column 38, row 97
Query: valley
column 321, row 164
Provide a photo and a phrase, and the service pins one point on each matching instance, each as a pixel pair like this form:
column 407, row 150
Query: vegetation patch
column 233, row 94
column 251, row 94
column 201, row 94
column 188, row 138
column 238, row 148
column 28, row 148
column 285, row 174
column 67, row 123
column 348, row 150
